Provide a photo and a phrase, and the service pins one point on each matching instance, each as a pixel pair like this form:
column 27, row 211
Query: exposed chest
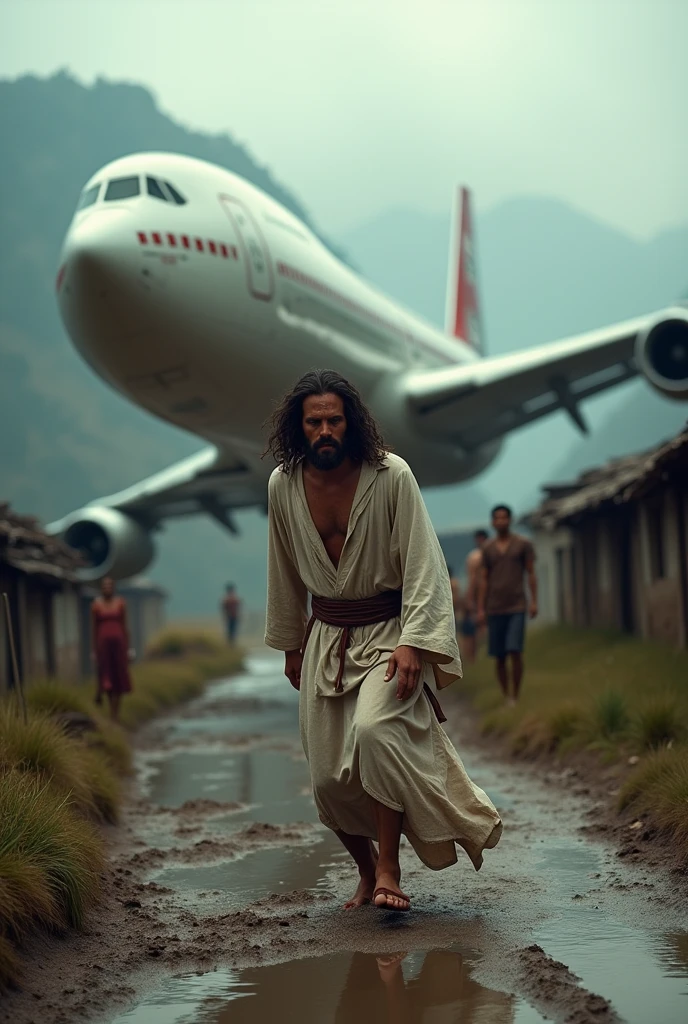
column 330, row 508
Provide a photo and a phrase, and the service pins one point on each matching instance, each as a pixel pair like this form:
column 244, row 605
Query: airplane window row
column 127, row 188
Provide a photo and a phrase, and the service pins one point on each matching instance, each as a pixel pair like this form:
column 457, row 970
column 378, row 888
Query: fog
column 365, row 105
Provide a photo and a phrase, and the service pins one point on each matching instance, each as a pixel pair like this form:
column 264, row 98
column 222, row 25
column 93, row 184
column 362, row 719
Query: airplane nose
column 95, row 255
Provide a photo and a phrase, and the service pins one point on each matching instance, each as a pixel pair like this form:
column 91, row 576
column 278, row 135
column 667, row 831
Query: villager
column 110, row 635
column 230, row 610
column 506, row 560
column 348, row 526
column 469, row 628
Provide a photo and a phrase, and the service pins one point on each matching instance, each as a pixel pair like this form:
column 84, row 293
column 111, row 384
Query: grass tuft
column 610, row 714
column 176, row 641
column 658, row 722
column 40, row 746
column 659, row 787
column 46, row 834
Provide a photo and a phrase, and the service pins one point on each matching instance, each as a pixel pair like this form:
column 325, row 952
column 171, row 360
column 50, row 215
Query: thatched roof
column 618, row 481
column 27, row 547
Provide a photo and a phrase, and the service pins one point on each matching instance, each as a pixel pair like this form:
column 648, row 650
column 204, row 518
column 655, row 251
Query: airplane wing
column 113, row 535
column 212, row 481
column 483, row 400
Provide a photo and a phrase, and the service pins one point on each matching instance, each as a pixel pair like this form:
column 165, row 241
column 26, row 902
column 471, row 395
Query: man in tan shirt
column 506, row 561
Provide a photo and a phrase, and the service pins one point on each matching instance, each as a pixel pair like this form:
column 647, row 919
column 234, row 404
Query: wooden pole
column 18, row 685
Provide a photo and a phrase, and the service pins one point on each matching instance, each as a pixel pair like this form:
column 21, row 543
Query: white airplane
column 202, row 299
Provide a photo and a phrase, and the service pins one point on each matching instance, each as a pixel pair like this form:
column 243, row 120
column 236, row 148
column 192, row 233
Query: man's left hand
column 533, row 610
column 407, row 664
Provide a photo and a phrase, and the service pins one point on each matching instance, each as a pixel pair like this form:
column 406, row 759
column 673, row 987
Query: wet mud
column 223, row 900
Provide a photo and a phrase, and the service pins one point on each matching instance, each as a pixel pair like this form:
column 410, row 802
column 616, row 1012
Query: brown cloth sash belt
column 366, row 612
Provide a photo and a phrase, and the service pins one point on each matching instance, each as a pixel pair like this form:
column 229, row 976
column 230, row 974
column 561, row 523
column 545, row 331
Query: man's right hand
column 293, row 660
column 480, row 617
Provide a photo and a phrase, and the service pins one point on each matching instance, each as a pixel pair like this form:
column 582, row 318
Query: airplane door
column 254, row 247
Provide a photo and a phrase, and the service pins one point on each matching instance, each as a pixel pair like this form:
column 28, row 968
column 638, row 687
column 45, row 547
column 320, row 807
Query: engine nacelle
column 661, row 353
column 111, row 542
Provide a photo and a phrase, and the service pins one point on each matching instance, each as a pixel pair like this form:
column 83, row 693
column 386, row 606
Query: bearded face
column 324, row 431
column 327, row 453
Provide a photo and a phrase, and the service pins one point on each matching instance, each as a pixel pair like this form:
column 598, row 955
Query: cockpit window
column 179, row 199
column 122, row 188
column 88, row 197
column 155, row 190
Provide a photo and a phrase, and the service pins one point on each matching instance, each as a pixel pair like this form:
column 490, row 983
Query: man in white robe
column 348, row 526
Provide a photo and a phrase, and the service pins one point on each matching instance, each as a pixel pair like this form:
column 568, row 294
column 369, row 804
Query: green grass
column 658, row 790
column 50, row 856
column 176, row 641
column 78, row 775
column 56, row 787
column 606, row 693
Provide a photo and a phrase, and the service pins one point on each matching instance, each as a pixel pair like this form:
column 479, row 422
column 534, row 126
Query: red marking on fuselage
column 142, row 237
column 213, row 248
column 185, row 241
column 172, row 239
column 199, row 244
column 156, row 238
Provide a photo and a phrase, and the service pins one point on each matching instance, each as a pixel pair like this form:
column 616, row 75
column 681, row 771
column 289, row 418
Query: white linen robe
column 362, row 741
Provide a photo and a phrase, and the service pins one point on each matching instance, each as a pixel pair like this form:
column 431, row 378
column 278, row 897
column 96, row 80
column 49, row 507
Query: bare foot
column 363, row 894
column 395, row 899
column 389, row 966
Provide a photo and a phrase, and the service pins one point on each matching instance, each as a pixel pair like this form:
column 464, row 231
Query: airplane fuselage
column 202, row 299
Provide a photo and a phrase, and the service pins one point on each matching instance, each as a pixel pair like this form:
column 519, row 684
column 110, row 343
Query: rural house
column 38, row 574
column 612, row 548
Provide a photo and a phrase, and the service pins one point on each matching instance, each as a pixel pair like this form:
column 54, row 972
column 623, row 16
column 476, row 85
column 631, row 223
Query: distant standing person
column 506, row 561
column 231, row 606
column 469, row 626
column 110, row 635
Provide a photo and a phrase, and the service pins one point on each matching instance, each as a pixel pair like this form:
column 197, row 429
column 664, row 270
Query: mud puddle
column 347, row 988
column 228, row 774
column 643, row 974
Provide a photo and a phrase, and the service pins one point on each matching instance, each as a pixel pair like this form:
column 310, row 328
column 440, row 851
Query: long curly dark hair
column 286, row 441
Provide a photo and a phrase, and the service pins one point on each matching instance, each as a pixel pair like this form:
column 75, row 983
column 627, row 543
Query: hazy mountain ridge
column 65, row 438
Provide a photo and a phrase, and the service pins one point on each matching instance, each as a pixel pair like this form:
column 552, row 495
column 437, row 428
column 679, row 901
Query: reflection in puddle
column 258, row 874
column 272, row 783
column 349, row 988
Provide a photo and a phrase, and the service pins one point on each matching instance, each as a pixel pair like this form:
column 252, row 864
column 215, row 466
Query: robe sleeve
column 287, row 601
column 427, row 617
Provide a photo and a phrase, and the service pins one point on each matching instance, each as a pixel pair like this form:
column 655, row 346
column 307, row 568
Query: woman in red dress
column 111, row 645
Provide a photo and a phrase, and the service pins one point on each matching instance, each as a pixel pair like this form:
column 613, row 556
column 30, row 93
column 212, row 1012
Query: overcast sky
column 358, row 106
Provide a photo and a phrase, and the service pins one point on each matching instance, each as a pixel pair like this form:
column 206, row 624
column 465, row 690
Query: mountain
column 546, row 271
column 66, row 438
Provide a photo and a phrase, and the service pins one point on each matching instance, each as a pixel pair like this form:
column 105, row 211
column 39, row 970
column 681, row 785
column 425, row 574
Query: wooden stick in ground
column 18, row 685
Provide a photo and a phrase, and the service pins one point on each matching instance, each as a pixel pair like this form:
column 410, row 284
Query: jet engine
column 112, row 543
column 661, row 353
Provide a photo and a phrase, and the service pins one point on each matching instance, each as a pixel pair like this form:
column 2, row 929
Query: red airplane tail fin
column 462, row 315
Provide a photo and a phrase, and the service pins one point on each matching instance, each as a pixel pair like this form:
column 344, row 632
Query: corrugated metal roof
column 619, row 481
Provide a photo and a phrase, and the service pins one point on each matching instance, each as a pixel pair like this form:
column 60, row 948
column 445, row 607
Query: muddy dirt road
column 228, row 895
